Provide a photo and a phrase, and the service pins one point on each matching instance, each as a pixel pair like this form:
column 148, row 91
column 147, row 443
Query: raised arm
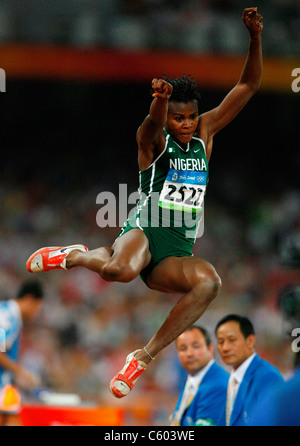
column 150, row 137
column 215, row 120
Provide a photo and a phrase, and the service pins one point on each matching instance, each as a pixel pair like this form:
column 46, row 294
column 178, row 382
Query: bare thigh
column 122, row 262
column 131, row 250
column 180, row 274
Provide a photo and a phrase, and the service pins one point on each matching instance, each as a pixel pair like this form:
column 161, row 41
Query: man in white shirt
column 251, row 377
column 205, row 390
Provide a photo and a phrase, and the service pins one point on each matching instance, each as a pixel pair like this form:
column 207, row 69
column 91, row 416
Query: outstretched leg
column 200, row 283
column 121, row 263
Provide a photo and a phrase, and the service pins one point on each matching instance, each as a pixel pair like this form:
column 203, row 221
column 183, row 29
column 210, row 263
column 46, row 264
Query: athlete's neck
column 182, row 145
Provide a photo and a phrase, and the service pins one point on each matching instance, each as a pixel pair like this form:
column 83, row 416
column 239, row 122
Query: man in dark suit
column 251, row 379
column 205, row 390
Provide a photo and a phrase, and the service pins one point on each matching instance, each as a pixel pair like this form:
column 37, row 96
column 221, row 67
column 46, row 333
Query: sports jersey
column 10, row 329
column 171, row 201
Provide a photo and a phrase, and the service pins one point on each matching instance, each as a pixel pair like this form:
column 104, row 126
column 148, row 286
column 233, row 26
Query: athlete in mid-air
column 174, row 147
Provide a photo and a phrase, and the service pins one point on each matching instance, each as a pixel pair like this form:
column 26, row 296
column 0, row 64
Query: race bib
column 183, row 190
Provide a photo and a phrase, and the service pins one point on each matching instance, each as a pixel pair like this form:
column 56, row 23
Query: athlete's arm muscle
column 150, row 137
column 212, row 122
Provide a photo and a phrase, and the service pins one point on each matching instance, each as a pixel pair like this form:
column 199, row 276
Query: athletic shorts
column 163, row 242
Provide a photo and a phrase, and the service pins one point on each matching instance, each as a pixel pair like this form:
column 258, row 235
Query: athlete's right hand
column 162, row 89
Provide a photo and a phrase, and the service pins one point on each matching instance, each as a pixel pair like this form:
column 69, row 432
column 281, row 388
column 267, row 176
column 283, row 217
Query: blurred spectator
column 13, row 314
column 282, row 407
column 251, row 379
column 205, row 389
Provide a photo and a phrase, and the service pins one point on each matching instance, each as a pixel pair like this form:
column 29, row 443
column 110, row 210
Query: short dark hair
column 203, row 330
column 246, row 326
column 184, row 89
column 32, row 287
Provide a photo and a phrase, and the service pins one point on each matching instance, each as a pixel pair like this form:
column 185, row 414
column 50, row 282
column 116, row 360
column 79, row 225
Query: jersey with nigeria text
column 172, row 188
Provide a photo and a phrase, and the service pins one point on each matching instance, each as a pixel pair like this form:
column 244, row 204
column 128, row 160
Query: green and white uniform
column 171, row 201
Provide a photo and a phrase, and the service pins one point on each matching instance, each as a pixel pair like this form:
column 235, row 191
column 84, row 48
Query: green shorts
column 163, row 242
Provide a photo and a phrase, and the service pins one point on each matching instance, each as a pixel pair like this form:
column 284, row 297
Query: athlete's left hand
column 253, row 21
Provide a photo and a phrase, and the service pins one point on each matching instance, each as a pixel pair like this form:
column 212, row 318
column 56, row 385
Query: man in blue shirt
column 251, row 379
column 12, row 314
column 205, row 389
column 282, row 406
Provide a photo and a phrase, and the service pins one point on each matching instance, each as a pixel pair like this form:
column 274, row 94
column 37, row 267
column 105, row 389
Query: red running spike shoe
column 124, row 381
column 52, row 257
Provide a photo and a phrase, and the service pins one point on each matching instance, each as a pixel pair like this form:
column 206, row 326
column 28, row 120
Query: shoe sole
column 119, row 388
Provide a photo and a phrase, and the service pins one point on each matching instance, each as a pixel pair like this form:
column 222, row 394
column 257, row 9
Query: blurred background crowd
column 149, row 24
column 65, row 142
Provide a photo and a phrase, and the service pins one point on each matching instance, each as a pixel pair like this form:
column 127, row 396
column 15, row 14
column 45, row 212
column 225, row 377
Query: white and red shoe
column 124, row 381
column 51, row 257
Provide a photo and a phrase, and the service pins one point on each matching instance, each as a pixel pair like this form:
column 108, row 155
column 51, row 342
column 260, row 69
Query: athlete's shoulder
column 167, row 136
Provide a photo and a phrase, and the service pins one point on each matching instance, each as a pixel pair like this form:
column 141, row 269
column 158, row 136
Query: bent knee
column 216, row 282
column 208, row 283
column 116, row 272
column 217, row 285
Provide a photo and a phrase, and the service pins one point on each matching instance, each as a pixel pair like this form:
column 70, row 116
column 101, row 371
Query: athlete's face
column 182, row 120
column 193, row 352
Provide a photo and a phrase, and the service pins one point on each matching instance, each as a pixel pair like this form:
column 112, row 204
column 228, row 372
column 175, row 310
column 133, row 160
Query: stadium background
column 78, row 79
